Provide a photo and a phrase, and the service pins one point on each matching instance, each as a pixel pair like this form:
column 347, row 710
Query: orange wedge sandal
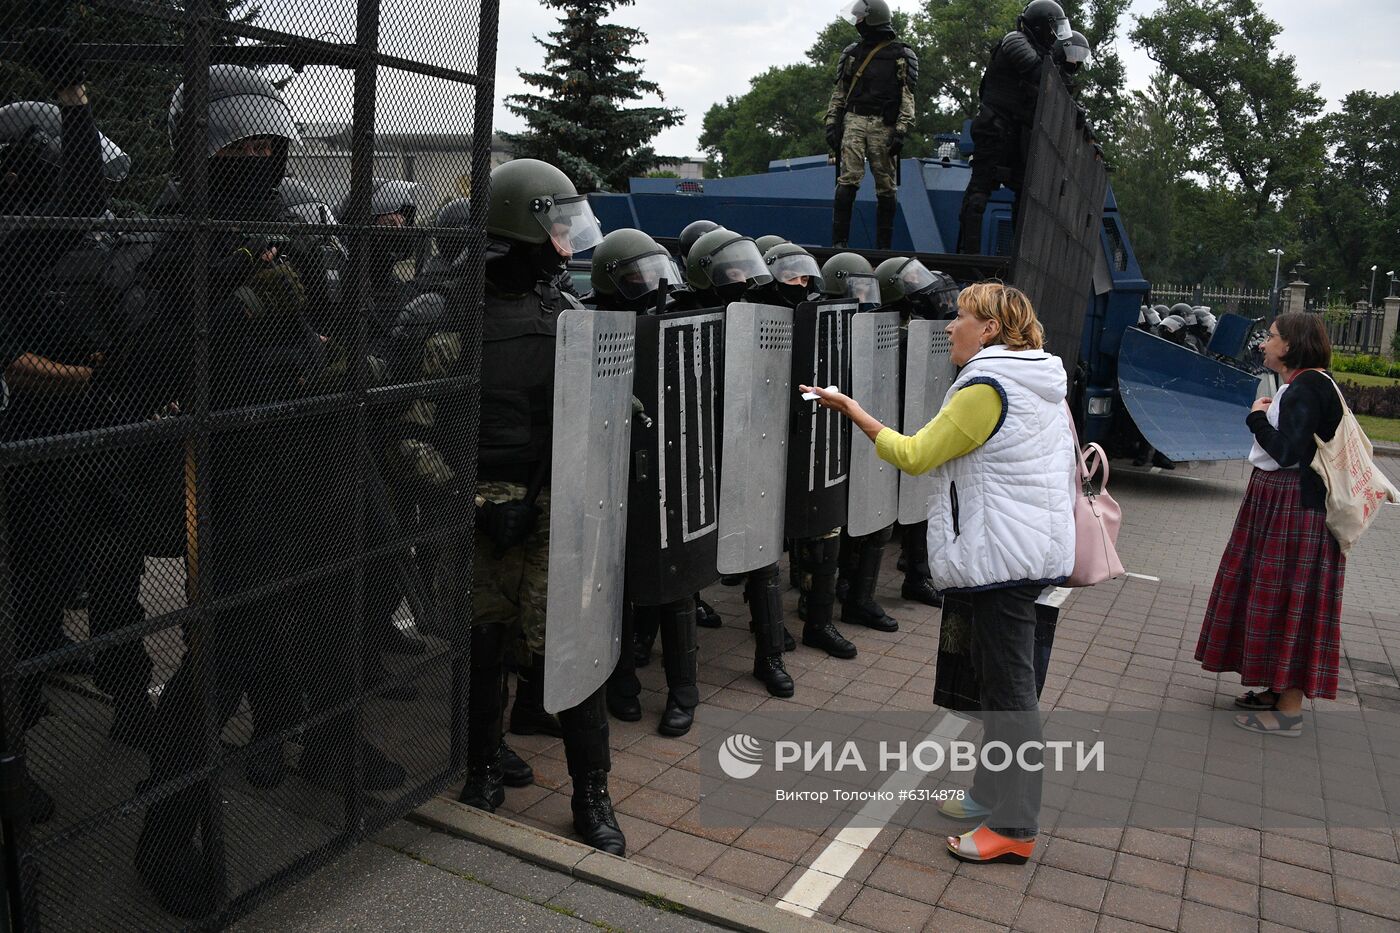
column 984, row 845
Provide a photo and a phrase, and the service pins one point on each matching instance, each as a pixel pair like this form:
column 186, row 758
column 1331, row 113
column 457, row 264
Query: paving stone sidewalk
column 1127, row 645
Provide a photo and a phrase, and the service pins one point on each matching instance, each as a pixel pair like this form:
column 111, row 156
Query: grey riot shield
column 673, row 496
column 928, row 372
column 873, row 503
column 593, row 363
column 819, row 439
column 753, row 471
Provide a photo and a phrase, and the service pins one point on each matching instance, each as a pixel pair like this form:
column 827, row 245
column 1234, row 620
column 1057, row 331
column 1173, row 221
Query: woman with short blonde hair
column 1001, row 529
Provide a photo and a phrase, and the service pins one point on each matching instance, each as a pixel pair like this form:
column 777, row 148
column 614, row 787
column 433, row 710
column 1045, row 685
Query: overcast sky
column 702, row 52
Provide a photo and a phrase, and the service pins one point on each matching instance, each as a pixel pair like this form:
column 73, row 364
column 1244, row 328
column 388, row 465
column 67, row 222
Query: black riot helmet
column 31, row 146
column 929, row 294
column 796, row 275
column 628, row 269
column 869, row 13
column 849, row 275
column 1073, row 54
column 726, row 263
column 1045, row 22
column 248, row 130
column 388, row 196
column 692, row 232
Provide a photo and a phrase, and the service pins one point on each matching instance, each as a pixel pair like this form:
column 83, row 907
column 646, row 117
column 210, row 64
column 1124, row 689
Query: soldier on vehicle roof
column 870, row 112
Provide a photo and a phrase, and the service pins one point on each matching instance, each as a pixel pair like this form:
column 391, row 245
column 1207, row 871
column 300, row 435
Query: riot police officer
column 849, row 275
column 909, row 287
column 537, row 221
column 53, row 162
column 768, row 241
column 1001, row 130
column 870, row 112
column 631, row 272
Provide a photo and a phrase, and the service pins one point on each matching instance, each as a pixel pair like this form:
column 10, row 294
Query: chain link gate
column 238, row 441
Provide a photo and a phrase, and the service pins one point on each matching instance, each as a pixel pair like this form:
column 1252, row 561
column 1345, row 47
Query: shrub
column 1366, row 364
column 1380, row 401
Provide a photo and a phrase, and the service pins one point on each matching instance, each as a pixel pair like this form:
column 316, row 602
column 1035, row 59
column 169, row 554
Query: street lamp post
column 1277, row 253
column 1391, row 275
column 1371, row 298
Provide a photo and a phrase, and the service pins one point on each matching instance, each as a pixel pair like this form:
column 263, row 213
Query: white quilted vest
column 1004, row 514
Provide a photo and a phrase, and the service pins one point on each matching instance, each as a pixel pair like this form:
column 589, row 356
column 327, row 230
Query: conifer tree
column 578, row 120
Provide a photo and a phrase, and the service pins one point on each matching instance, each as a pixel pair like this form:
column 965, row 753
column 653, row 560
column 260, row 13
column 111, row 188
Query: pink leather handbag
column 1097, row 518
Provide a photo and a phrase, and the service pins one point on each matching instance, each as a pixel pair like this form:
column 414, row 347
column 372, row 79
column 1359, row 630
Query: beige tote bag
column 1356, row 489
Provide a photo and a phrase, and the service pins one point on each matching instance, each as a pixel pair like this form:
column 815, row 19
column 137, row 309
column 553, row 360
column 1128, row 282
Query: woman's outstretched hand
column 837, row 401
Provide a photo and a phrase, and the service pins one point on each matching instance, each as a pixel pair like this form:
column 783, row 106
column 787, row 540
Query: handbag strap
column 1101, row 459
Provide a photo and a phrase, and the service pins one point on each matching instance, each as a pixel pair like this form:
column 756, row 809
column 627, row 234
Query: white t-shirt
column 1257, row 456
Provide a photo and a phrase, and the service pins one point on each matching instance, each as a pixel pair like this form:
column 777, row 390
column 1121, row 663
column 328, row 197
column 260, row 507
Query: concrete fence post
column 1392, row 315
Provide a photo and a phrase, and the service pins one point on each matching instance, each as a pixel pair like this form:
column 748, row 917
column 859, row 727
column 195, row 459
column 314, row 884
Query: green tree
column 955, row 40
column 1265, row 140
column 579, row 121
column 1102, row 85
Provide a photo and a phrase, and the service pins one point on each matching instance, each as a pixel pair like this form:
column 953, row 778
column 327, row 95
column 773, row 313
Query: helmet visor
column 1076, row 54
column 738, row 261
column 569, row 223
column 855, row 11
column 863, row 288
column 791, row 270
column 642, row 275
column 915, row 277
column 248, row 115
column 1062, row 29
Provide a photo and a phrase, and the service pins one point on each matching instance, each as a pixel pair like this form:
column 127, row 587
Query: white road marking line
column 1055, row 598
column 810, row 891
column 1142, row 576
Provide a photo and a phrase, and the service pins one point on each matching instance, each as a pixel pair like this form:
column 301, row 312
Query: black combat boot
column 167, row 860
column 765, row 601
column 624, row 690
column 819, row 567
column 527, row 715
column 515, row 771
column 841, row 207
column 678, row 657
column 918, row 585
column 884, row 221
column 589, row 760
column 705, row 614
column 483, row 788
column 859, row 606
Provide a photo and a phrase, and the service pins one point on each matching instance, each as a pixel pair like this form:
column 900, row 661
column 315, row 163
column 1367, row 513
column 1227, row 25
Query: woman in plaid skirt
column 1275, row 612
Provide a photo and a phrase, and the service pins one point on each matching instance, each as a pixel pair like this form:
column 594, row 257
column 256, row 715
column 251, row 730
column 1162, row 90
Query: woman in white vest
column 1001, row 529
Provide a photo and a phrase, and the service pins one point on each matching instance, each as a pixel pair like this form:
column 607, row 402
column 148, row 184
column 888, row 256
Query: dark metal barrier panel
column 1058, row 224
column 241, row 323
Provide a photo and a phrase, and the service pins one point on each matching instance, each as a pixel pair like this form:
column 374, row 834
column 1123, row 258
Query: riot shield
column 673, row 497
column 819, row 440
column 753, row 468
column 928, row 372
column 873, row 502
column 593, row 372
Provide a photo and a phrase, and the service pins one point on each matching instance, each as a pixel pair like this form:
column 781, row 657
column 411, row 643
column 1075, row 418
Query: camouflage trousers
column 512, row 589
column 867, row 138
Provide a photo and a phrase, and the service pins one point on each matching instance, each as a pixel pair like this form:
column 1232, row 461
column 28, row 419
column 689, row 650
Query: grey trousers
column 1003, row 653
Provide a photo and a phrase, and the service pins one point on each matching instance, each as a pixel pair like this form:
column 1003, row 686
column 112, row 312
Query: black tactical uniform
column 1001, row 129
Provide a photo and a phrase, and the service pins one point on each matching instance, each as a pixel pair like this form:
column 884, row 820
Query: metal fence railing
column 1245, row 301
column 233, row 631
column 1356, row 331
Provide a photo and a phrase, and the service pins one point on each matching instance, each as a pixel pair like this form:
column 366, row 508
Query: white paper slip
column 812, row 396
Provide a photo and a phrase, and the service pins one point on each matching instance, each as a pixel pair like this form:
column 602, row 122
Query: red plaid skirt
column 1275, row 612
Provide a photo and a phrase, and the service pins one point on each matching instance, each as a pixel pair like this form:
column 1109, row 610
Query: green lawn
column 1386, row 430
column 1362, row 379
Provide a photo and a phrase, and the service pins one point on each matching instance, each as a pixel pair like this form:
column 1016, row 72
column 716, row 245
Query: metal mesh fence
column 241, row 343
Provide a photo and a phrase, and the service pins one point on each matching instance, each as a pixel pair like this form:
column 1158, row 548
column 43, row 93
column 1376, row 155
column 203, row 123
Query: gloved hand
column 507, row 524
column 833, row 137
column 51, row 54
column 896, row 144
